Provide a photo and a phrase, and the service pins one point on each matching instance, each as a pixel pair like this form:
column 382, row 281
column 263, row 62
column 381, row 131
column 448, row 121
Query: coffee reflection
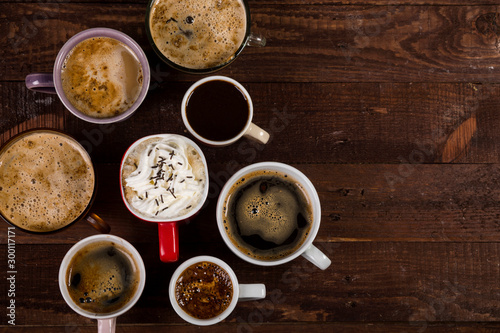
column 46, row 181
column 267, row 215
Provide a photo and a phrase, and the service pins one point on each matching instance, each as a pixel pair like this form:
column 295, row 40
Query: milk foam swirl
column 164, row 181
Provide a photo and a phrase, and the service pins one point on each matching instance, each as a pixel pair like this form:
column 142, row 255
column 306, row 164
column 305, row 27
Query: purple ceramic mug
column 52, row 82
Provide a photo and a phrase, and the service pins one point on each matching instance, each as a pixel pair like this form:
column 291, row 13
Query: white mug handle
column 318, row 258
column 256, row 133
column 252, row 292
column 106, row 325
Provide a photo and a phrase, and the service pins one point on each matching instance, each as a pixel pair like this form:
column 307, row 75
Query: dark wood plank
column 373, row 282
column 360, row 203
column 308, row 122
column 338, row 327
column 326, row 43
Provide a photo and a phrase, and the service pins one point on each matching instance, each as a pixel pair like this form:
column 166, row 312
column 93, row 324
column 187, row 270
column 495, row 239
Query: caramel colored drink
column 46, row 181
column 102, row 77
column 198, row 34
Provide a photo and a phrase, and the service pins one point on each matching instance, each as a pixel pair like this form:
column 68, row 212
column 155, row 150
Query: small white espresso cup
column 106, row 323
column 250, row 130
column 306, row 249
column 241, row 292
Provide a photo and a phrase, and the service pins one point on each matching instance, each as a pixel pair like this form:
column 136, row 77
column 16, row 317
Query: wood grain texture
column 321, row 43
column 308, row 122
column 382, row 281
column 389, row 107
column 360, row 203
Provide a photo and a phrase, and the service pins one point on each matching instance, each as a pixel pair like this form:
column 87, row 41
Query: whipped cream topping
column 164, row 181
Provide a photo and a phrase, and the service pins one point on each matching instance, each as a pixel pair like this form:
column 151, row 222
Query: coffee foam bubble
column 198, row 34
column 101, row 77
column 46, row 181
column 272, row 215
column 102, row 277
column 271, row 206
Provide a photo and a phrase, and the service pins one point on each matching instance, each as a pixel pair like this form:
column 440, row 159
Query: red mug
column 164, row 180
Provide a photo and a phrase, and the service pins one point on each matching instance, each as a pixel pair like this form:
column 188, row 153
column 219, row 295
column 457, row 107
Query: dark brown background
column 392, row 108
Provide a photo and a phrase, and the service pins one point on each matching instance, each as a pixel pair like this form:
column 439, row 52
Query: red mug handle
column 169, row 241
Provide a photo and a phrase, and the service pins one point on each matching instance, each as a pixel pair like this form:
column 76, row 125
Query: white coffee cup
column 306, row 249
column 241, row 292
column 105, row 322
column 250, row 130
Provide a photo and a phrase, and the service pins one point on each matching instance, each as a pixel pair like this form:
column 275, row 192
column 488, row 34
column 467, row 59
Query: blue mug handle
column 41, row 82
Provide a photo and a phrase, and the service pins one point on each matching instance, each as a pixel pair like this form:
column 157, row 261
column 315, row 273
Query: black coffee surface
column 204, row 290
column 102, row 277
column 268, row 216
column 217, row 110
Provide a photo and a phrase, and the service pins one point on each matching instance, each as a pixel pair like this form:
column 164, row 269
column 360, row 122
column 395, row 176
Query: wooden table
column 391, row 108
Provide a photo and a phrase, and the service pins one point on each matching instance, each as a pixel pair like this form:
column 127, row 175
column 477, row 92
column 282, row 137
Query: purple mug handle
column 41, row 82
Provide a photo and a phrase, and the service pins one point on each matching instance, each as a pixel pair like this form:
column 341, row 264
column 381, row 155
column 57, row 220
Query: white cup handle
column 252, row 292
column 318, row 258
column 256, row 133
column 106, row 325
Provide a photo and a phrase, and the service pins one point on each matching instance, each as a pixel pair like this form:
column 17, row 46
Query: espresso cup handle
column 256, row 133
column 256, row 40
column 98, row 223
column 318, row 258
column 41, row 82
column 106, row 325
column 169, row 241
column 252, row 292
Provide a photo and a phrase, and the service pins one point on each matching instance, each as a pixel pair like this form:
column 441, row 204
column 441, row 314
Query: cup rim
column 197, row 70
column 184, row 217
column 296, row 174
column 89, row 240
column 101, row 32
column 200, row 138
column 86, row 211
column 181, row 312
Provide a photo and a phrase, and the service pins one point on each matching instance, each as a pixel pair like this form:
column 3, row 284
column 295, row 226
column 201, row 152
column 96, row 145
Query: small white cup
column 307, row 249
column 241, row 292
column 106, row 323
column 250, row 130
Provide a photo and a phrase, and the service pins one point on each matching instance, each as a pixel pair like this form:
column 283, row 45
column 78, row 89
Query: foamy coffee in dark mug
column 269, row 213
column 199, row 36
column 47, row 182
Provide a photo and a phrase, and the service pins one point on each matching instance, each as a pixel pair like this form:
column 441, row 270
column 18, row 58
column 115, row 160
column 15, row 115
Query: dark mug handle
column 41, row 82
column 98, row 223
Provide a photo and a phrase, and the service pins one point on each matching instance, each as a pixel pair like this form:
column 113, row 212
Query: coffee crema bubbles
column 46, row 181
column 204, row 290
column 267, row 215
column 198, row 34
column 102, row 77
column 102, row 277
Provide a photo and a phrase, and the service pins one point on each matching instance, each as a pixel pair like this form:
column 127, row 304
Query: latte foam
column 102, row 77
column 198, row 34
column 46, row 181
